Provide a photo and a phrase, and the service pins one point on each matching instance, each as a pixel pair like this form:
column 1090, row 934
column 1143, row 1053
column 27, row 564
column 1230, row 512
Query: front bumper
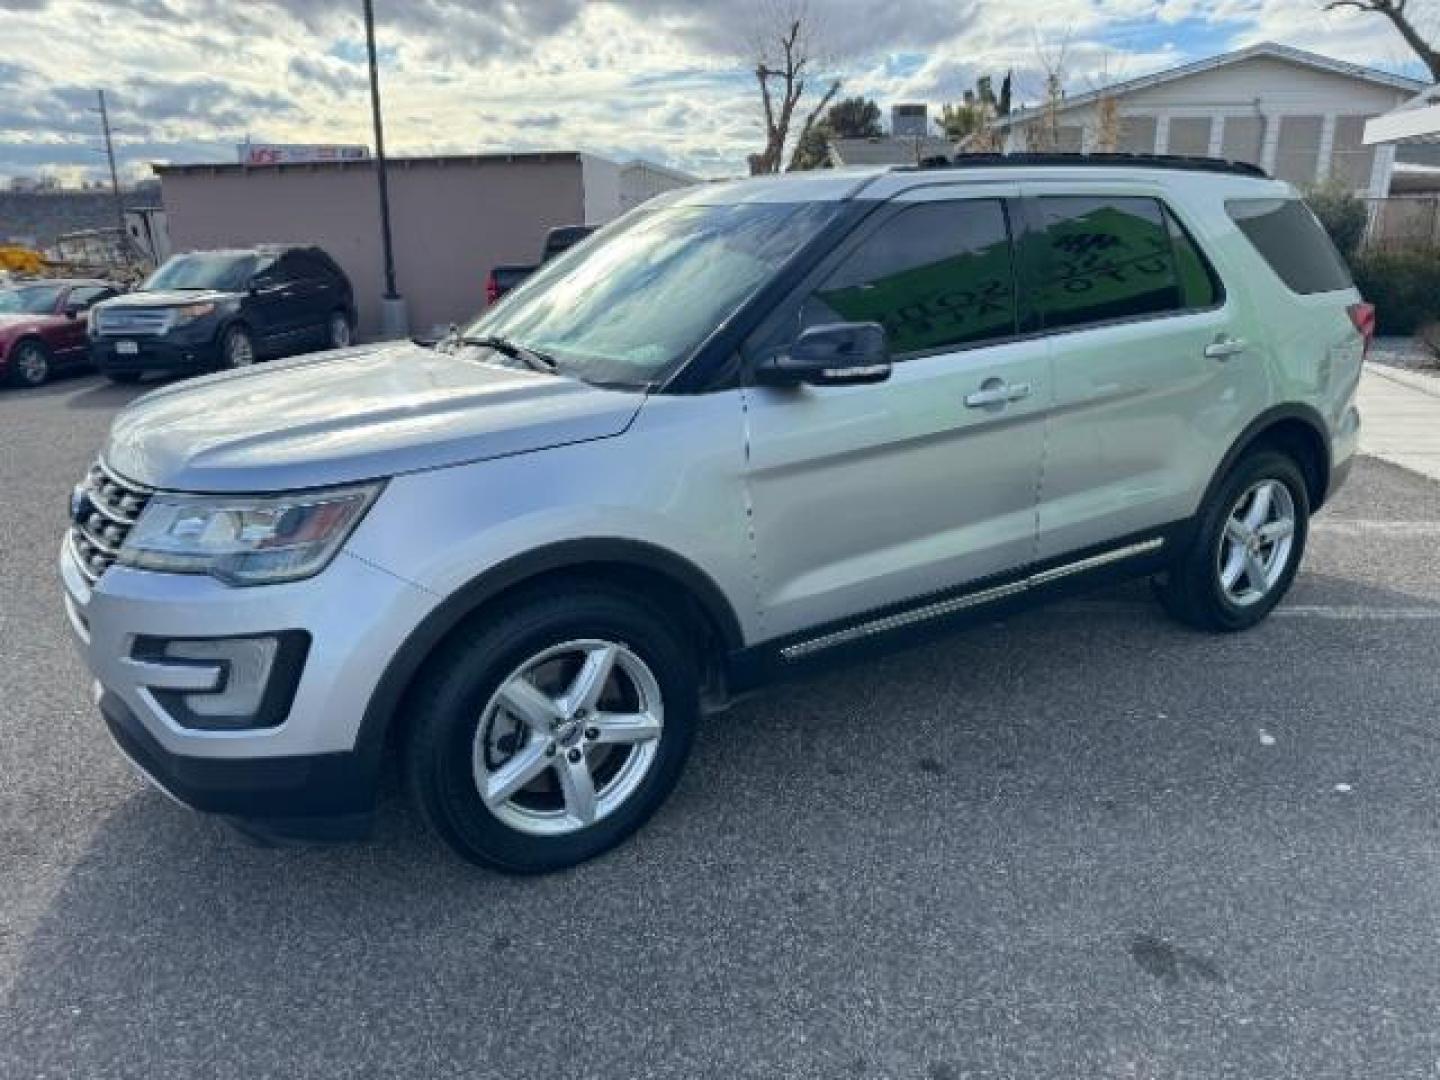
column 169, row 353
column 311, row 764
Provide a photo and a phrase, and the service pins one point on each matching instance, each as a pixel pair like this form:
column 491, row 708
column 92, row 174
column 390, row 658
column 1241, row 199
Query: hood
column 351, row 415
column 170, row 298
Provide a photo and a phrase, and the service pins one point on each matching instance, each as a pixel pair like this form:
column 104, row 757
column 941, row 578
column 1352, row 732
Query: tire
column 1203, row 588
column 462, row 735
column 338, row 334
column 29, row 365
column 124, row 378
column 237, row 348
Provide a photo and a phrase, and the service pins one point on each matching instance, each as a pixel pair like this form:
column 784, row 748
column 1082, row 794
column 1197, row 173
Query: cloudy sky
column 666, row 79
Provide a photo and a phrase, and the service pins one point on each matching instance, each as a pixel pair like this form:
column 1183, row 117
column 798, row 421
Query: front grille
column 105, row 508
column 117, row 321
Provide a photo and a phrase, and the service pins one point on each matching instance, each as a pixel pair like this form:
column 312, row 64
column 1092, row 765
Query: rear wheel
column 29, row 364
column 338, row 334
column 549, row 733
column 1246, row 550
column 237, row 350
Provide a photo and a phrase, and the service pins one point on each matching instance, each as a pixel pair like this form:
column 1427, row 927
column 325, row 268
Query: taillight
column 1363, row 316
column 492, row 288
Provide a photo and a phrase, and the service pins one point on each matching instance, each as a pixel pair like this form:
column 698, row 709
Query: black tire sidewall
column 330, row 330
column 1203, row 567
column 441, row 747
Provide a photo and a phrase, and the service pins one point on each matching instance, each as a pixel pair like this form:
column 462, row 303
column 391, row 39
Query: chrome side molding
column 940, row 608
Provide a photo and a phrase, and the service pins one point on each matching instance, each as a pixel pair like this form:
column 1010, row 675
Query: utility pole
column 394, row 322
column 114, row 175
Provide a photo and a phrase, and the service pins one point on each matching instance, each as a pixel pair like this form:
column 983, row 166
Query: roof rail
column 1140, row 161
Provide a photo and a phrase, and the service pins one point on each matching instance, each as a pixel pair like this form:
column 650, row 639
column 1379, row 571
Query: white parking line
column 1364, row 526
column 1340, row 612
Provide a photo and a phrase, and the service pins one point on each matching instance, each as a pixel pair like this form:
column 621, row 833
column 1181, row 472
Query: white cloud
column 666, row 78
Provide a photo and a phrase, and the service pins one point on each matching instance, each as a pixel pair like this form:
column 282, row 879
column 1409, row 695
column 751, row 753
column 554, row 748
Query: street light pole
column 393, row 320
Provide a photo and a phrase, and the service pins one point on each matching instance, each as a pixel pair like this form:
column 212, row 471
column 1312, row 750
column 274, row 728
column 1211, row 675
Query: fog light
column 256, row 683
column 246, row 672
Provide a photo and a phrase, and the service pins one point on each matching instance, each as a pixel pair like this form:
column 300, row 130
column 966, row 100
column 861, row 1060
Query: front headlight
column 189, row 313
column 243, row 540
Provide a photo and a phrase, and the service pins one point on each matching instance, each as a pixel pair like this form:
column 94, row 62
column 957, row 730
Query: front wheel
column 30, row 364
column 547, row 734
column 1246, row 550
column 237, row 349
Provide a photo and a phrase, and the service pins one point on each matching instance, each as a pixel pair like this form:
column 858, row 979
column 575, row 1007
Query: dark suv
column 226, row 309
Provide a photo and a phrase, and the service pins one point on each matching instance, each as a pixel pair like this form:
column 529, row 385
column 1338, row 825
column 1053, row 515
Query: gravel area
column 1403, row 352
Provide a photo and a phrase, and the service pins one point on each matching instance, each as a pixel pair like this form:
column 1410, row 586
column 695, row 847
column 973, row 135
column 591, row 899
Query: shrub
column 1403, row 285
column 1343, row 213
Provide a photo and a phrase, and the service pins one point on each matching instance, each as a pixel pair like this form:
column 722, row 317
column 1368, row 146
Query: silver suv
column 747, row 427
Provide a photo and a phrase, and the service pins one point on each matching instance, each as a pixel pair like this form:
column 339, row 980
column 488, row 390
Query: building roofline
column 435, row 161
column 1270, row 49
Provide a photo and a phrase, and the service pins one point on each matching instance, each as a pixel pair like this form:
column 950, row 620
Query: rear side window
column 1102, row 258
column 935, row 275
column 1296, row 246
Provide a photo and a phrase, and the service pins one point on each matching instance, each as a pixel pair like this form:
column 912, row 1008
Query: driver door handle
column 1224, row 348
column 997, row 395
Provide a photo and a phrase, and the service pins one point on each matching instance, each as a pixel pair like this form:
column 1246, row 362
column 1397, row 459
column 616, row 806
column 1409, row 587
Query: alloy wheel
column 568, row 737
column 31, row 364
column 238, row 350
column 1257, row 543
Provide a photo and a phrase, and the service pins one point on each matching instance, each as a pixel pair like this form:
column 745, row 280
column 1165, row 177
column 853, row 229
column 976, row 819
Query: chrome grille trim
column 139, row 321
column 106, row 510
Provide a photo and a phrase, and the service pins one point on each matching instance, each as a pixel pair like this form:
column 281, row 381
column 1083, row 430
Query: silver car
column 746, row 428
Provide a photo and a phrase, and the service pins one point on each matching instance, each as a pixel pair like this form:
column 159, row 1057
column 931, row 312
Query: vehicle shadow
column 1072, row 750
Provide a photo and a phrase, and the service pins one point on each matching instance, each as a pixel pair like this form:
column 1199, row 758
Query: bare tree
column 1043, row 135
column 784, row 63
column 1394, row 10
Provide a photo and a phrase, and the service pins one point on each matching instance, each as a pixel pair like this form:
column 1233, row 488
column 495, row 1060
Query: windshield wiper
column 531, row 358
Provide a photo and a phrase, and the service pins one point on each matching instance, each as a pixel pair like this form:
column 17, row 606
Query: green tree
column 976, row 110
column 854, row 118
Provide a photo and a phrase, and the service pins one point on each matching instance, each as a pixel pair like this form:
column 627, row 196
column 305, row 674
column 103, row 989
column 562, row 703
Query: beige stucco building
column 453, row 218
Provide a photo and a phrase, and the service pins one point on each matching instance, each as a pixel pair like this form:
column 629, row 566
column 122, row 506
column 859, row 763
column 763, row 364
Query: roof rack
column 1141, row 161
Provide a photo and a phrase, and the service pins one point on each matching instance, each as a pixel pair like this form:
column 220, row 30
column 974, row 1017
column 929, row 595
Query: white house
column 1299, row 115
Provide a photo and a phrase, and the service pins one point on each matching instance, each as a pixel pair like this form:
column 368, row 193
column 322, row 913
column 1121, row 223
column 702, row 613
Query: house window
column 1190, row 136
column 1244, row 139
column 1298, row 150
column 1351, row 160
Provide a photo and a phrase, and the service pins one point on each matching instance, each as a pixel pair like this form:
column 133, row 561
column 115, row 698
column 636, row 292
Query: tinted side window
column 1099, row 258
column 1199, row 284
column 934, row 275
column 1288, row 237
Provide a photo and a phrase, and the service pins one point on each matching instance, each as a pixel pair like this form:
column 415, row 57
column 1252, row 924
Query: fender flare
column 470, row 597
column 1256, row 429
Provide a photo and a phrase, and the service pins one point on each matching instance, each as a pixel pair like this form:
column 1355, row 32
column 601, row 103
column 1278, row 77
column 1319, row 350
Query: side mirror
column 835, row 354
column 74, row 311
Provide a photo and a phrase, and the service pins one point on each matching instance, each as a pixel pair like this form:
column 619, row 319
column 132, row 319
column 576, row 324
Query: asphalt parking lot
column 1083, row 842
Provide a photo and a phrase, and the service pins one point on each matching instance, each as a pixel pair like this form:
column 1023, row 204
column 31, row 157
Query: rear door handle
column 1224, row 349
column 997, row 394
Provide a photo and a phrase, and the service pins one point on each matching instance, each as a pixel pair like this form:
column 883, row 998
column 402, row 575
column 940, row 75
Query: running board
column 940, row 608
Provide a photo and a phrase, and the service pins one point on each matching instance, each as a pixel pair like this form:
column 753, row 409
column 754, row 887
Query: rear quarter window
column 1294, row 244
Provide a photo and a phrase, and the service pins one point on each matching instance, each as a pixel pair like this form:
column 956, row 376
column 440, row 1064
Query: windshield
column 635, row 302
column 31, row 300
column 204, row 270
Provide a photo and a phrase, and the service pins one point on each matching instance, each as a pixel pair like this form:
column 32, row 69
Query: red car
column 42, row 326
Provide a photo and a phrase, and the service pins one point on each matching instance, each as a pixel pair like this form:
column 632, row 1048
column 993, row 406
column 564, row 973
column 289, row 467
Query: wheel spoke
column 1276, row 530
column 1237, row 531
column 524, row 767
column 1259, row 511
column 625, row 727
column 590, row 681
column 578, row 787
column 1255, row 572
column 522, row 699
column 1234, row 566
